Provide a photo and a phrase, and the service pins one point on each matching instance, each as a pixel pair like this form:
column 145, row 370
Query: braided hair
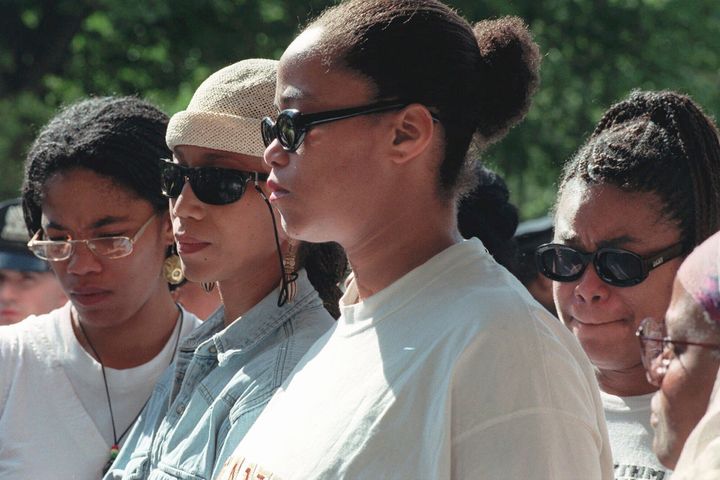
column 660, row 143
column 121, row 138
column 477, row 80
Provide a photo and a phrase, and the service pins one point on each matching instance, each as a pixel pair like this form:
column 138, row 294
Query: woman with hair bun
column 441, row 364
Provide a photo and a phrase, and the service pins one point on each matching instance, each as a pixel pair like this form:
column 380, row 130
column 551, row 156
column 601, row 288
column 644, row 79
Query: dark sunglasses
column 212, row 185
column 615, row 266
column 291, row 125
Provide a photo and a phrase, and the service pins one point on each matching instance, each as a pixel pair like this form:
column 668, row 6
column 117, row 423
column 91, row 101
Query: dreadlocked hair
column 477, row 80
column 660, row 143
column 121, row 138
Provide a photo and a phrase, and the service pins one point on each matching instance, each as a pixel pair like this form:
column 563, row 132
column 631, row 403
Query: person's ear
column 413, row 131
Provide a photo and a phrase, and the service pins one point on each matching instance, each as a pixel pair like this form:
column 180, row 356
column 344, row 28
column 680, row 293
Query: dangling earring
column 172, row 268
column 289, row 273
column 208, row 286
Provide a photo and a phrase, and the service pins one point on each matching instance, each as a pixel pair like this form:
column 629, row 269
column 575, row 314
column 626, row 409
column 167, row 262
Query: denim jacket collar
column 249, row 329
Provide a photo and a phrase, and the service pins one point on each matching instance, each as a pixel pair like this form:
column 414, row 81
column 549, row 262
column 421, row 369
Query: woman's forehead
column 597, row 214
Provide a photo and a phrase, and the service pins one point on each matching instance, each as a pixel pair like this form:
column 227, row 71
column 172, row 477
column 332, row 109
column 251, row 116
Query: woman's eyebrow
column 107, row 220
column 618, row 241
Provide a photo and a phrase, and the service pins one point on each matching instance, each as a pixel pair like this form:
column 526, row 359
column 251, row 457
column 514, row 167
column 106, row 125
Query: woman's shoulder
column 36, row 336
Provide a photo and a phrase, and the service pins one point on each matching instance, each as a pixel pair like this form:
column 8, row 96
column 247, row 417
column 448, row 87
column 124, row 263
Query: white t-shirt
column 54, row 416
column 451, row 372
column 631, row 437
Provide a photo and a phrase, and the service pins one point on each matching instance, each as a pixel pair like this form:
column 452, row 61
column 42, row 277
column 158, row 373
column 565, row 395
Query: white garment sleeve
column 528, row 434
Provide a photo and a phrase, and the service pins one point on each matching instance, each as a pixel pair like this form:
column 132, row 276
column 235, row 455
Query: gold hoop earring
column 172, row 270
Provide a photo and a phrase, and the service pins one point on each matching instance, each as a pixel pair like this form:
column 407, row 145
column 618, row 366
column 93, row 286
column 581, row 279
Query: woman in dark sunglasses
column 73, row 381
column 636, row 198
column 273, row 289
column 441, row 365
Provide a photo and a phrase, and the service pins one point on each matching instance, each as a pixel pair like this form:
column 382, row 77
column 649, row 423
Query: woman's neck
column 242, row 292
column 394, row 248
column 134, row 341
column 625, row 383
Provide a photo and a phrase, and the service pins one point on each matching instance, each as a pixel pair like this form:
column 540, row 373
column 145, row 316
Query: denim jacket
column 221, row 380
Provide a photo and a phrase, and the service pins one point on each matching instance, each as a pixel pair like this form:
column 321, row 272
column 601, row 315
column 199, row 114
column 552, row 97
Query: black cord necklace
column 115, row 449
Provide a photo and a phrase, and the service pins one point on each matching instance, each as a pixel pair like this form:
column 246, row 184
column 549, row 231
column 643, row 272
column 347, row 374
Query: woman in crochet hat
column 73, row 381
column 441, row 365
column 274, row 290
column 682, row 354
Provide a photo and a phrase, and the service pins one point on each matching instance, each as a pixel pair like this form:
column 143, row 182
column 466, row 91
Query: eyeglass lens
column 284, row 129
column 620, row 266
column 109, row 247
column 566, row 264
column 214, row 186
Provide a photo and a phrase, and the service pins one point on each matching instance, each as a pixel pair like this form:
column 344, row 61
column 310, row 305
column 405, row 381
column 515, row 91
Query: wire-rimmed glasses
column 108, row 247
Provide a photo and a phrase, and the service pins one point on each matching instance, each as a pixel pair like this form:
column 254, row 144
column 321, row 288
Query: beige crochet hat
column 226, row 110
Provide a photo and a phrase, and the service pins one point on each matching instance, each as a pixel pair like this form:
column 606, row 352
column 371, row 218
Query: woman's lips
column 87, row 296
column 276, row 191
column 187, row 244
column 595, row 323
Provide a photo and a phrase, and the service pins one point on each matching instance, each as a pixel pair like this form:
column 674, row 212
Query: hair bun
column 510, row 62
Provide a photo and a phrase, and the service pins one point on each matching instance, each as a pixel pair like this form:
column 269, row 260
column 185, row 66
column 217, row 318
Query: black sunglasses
column 212, row 185
column 291, row 125
column 615, row 266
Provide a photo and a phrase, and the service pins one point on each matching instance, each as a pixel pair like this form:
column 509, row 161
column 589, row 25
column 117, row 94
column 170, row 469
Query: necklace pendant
column 114, row 450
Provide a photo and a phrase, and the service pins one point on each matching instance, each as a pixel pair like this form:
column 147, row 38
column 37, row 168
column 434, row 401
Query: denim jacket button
column 180, row 409
column 213, row 350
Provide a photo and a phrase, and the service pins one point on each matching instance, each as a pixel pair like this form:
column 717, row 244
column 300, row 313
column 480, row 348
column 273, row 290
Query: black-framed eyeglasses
column 657, row 348
column 211, row 185
column 291, row 126
column 615, row 266
column 108, row 247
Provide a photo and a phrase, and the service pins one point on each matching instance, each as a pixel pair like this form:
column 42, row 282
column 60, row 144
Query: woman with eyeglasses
column 681, row 354
column 73, row 381
column 274, row 290
column 634, row 200
column 441, row 365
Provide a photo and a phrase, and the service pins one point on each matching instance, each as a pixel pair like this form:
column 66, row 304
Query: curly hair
column 477, row 80
column 121, row 138
column 660, row 143
column 487, row 213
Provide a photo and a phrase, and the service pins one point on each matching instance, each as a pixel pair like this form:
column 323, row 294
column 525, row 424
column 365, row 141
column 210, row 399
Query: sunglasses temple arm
column 310, row 119
column 664, row 256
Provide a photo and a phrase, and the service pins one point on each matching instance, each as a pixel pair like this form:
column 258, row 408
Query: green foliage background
column 595, row 52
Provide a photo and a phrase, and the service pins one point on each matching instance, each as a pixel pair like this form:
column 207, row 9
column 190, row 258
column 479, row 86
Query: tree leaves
column 595, row 51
